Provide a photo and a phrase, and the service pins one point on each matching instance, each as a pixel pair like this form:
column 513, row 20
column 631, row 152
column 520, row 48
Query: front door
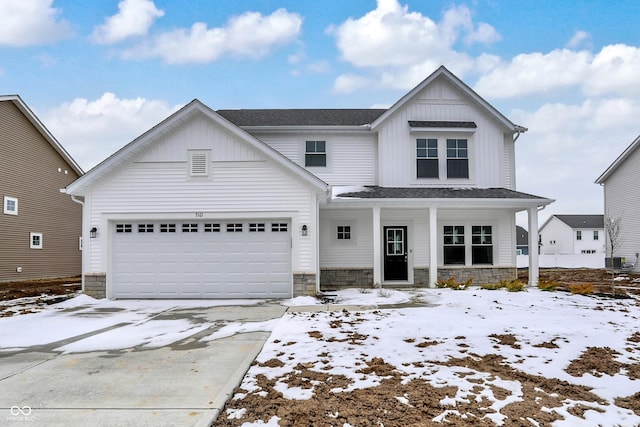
column 395, row 253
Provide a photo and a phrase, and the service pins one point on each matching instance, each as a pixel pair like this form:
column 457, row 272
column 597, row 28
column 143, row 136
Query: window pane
column 315, row 160
column 482, row 255
column 427, row 168
column 454, row 255
column 310, row 147
column 421, row 143
column 457, row 168
column 320, row 147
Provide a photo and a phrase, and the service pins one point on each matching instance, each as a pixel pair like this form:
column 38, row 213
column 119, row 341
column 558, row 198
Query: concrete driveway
column 138, row 379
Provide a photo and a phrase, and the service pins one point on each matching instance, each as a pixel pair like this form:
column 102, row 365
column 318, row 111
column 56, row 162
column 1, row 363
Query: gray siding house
column 621, row 184
column 40, row 227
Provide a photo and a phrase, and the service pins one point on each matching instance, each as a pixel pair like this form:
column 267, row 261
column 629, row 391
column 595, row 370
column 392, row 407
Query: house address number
column 199, row 214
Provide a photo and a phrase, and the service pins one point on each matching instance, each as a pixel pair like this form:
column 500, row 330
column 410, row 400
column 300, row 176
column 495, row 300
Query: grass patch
column 548, row 285
column 581, row 289
column 451, row 283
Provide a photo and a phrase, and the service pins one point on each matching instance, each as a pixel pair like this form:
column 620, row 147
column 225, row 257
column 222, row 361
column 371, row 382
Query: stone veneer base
column 95, row 285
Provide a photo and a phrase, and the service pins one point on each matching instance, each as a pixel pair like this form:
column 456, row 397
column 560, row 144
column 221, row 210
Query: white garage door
column 202, row 259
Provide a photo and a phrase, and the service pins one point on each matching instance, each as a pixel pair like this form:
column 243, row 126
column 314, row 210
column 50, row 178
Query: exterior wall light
column 93, row 232
column 305, row 230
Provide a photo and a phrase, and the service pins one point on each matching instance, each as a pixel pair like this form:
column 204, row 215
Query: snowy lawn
column 473, row 357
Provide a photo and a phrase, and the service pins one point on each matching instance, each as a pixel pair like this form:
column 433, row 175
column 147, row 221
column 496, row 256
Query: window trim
column 5, row 207
column 428, row 156
column 457, row 151
column 39, row 244
column 467, row 242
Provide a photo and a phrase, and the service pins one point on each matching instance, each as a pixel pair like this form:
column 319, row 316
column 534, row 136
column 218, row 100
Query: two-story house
column 280, row 203
column 572, row 235
column 620, row 182
column 40, row 227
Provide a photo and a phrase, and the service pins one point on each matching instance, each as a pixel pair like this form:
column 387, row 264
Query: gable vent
column 199, row 163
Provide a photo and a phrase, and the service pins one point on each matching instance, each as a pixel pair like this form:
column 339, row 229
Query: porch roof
column 375, row 192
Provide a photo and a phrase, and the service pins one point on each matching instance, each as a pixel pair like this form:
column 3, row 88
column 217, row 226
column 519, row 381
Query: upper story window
column 315, row 154
column 199, row 163
column 595, row 235
column 579, row 235
column 427, row 158
column 35, row 240
column 10, row 205
column 457, row 158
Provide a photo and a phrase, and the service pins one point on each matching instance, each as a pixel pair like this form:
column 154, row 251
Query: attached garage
column 202, row 259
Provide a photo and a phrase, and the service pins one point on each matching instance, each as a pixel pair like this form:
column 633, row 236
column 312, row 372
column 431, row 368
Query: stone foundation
column 95, row 285
column 304, row 284
column 480, row 275
column 421, row 277
column 342, row 278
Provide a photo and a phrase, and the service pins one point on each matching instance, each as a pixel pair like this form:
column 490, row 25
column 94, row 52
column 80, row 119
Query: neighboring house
column 280, row 203
column 522, row 241
column 621, row 183
column 40, row 227
column 572, row 234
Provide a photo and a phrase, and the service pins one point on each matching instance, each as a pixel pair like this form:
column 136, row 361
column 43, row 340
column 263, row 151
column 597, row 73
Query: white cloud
column 579, row 38
column 613, row 70
column 407, row 44
column 250, row 35
column 568, row 146
column 31, row 22
column 134, row 18
column 93, row 130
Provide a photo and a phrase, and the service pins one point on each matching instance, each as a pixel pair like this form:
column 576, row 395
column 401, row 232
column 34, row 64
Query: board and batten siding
column 33, row 172
column 351, row 158
column 157, row 184
column 440, row 102
column 620, row 201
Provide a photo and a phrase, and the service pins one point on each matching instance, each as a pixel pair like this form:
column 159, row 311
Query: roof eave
column 503, row 203
column 618, row 161
column 313, row 128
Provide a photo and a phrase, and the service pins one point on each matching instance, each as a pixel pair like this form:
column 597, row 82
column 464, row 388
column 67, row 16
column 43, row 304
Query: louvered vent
column 199, row 163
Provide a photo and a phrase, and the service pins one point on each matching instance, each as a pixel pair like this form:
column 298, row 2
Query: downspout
column 81, row 202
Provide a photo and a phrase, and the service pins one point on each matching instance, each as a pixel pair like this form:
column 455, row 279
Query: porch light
column 304, row 230
column 93, row 232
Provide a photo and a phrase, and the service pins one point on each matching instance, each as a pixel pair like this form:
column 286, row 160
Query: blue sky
column 100, row 73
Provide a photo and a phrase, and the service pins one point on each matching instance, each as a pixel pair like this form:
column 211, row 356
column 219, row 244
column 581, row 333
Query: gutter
column 81, row 202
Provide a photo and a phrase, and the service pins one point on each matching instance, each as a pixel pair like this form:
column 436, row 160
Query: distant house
column 572, row 234
column 281, row 203
column 621, row 183
column 40, row 227
column 522, row 241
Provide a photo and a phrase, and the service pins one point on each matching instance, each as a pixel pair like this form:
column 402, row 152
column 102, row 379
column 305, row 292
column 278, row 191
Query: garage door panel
column 246, row 264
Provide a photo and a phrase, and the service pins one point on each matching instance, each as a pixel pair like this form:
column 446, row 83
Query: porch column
column 534, row 270
column 377, row 252
column 433, row 246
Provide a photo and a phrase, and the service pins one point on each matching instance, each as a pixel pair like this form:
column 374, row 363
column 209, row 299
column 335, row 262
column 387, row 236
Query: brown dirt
column 45, row 291
column 600, row 279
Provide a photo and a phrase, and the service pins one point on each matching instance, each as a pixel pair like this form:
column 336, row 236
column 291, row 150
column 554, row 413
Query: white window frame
column 316, row 153
column 6, row 209
column 199, row 163
column 33, row 245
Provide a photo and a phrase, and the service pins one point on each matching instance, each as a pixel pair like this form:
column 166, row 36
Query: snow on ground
column 459, row 324
column 114, row 324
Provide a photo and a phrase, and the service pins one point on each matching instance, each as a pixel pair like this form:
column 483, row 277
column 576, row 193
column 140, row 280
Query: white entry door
column 202, row 259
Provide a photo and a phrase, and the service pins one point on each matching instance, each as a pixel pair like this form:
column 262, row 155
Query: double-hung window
column 457, row 158
column 427, row 158
column 595, row 235
column 10, row 205
column 481, row 244
column 454, row 251
column 315, row 154
column 579, row 235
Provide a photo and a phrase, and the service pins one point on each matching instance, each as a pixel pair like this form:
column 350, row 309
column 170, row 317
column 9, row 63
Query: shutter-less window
column 199, row 163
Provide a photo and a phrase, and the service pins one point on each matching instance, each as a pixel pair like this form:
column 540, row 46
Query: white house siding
column 357, row 253
column 441, row 103
column 556, row 238
column 621, row 201
column 351, row 158
column 417, row 221
column 156, row 186
column 509, row 174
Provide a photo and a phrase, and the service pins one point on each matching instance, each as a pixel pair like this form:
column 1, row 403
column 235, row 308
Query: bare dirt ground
column 25, row 296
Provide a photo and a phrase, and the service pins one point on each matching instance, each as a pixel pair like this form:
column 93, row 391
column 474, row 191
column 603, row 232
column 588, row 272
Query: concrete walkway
column 183, row 384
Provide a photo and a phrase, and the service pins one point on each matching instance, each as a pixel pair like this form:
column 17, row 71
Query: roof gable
column 41, row 128
column 620, row 160
column 145, row 142
column 469, row 93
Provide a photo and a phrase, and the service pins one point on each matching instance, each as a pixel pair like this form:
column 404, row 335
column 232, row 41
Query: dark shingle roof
column 440, row 124
column 375, row 192
column 582, row 221
column 302, row 117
